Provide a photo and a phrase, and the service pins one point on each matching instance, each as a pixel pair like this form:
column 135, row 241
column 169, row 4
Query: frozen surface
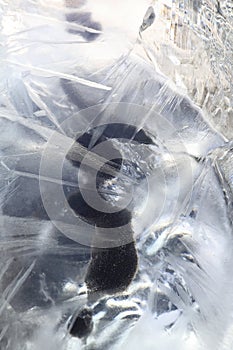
column 164, row 67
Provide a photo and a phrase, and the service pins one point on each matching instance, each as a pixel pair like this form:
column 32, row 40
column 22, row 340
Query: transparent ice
column 170, row 66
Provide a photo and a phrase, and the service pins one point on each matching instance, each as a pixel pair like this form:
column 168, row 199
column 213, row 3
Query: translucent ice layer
column 116, row 175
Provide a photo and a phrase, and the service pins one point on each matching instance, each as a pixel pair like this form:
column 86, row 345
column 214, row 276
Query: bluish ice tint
column 58, row 61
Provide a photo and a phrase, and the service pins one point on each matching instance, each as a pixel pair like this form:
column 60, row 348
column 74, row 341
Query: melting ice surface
column 71, row 66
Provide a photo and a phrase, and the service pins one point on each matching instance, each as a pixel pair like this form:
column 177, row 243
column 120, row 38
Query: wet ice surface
column 172, row 84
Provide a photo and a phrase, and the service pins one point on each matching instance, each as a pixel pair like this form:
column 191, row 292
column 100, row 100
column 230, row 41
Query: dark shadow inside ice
column 81, row 324
column 112, row 269
column 83, row 19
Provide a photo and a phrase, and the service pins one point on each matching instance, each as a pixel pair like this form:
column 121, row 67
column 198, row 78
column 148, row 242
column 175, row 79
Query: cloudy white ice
column 165, row 67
